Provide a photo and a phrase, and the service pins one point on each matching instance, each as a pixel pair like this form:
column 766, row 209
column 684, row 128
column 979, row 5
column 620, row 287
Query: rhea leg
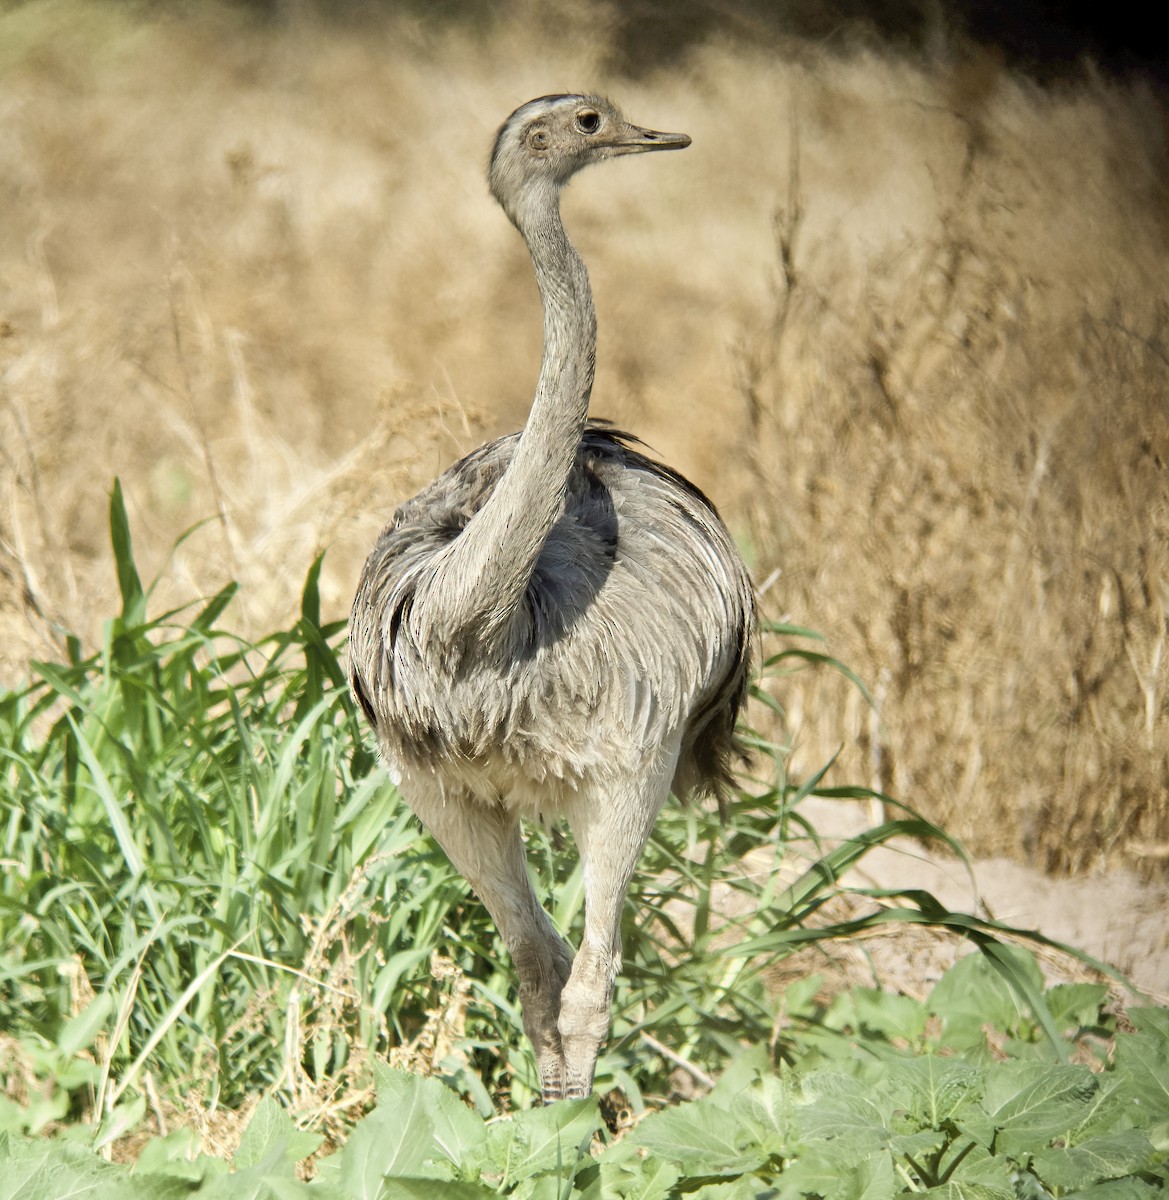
column 483, row 843
column 611, row 832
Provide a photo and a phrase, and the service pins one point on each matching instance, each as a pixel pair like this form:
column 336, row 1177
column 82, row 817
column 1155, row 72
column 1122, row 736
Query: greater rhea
column 557, row 626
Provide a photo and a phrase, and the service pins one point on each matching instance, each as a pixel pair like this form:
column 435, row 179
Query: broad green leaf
column 151, row 1188
column 35, row 1115
column 649, row 1178
column 542, row 1187
column 959, row 1189
column 259, row 1183
column 54, row 1170
column 846, row 1110
column 177, row 1154
column 1151, row 1021
column 818, row 1170
column 766, row 1112
column 697, row 1137
column 535, row 1140
column 970, row 996
column 431, row 1189
column 918, row 1145
column 397, row 1139
column 933, row 1090
column 457, row 1133
column 738, row 1075
column 888, row 1014
column 589, row 1185
column 799, row 997
column 743, row 1188
column 1143, row 1058
column 975, row 1175
column 1093, row 1161
column 271, row 1132
column 986, row 1170
column 294, row 1189
column 872, row 1179
column 1109, row 1107
column 1014, row 1088
column 1119, row 1189
column 1075, row 1005
column 1029, row 1104
column 145, row 1187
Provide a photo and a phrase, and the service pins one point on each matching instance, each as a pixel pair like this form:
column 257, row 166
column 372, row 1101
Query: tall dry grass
column 903, row 320
column 967, row 413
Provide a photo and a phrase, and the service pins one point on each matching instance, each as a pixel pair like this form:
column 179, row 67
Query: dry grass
column 968, row 417
column 904, row 321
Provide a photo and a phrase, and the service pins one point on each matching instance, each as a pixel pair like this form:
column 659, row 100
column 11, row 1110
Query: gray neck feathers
column 483, row 576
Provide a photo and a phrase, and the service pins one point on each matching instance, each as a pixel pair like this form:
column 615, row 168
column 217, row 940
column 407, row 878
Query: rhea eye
column 588, row 122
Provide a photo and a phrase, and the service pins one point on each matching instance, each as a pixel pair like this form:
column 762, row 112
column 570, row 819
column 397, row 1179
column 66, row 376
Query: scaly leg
column 483, row 842
column 611, row 832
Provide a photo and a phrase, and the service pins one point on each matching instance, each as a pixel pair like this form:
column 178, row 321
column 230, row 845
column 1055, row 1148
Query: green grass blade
column 129, row 583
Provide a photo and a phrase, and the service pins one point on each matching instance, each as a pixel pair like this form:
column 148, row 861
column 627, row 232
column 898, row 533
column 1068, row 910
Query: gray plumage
column 557, row 626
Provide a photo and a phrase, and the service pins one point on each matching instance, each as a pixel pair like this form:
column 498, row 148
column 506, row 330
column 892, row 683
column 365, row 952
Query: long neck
column 487, row 569
column 533, row 487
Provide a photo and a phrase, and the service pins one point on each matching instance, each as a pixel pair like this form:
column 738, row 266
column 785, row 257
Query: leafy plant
column 874, row 1120
column 863, row 1115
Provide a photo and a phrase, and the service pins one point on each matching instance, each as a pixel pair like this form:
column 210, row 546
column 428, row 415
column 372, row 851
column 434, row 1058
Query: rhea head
column 546, row 141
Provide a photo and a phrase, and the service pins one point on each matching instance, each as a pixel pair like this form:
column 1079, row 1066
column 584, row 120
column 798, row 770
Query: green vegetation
column 892, row 1098
column 211, row 894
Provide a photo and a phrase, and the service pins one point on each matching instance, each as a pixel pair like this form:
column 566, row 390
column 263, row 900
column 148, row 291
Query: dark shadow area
column 1046, row 40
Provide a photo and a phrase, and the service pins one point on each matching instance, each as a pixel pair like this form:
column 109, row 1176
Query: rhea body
column 557, row 625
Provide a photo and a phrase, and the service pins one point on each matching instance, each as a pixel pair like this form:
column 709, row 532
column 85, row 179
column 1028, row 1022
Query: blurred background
column 900, row 311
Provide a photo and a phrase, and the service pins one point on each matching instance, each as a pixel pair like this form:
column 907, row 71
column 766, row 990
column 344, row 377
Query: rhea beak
column 634, row 140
